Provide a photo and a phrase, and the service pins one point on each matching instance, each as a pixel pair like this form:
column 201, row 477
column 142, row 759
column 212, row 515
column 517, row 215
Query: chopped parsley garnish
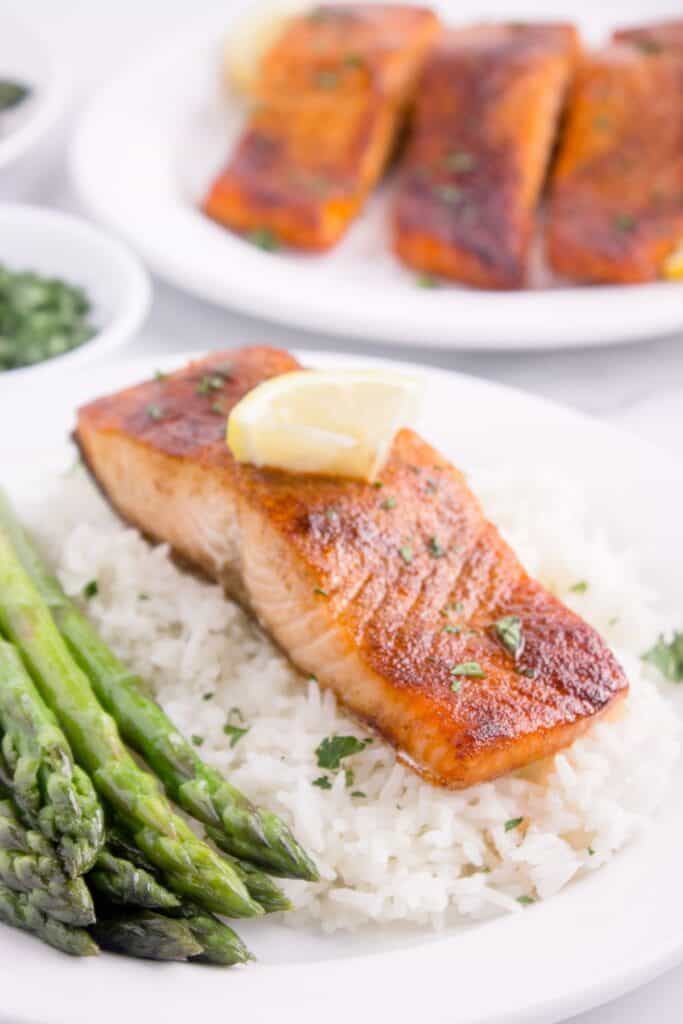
column 448, row 193
column 197, row 740
column 461, row 161
column 388, row 503
column 613, row 621
column 154, row 412
column 159, row 375
column 470, row 669
column 525, row 900
column 218, row 409
column 264, row 238
column 40, row 317
column 349, row 777
column 435, row 549
column 333, row 749
column 579, row 588
column 210, row 382
column 509, row 632
column 331, row 514
column 235, row 732
column 448, row 628
column 624, row 222
column 646, row 45
column 12, row 93
column 377, row 484
column 354, row 60
column 90, row 589
column 456, row 685
column 406, row 553
column 427, row 281
column 513, row 823
column 322, row 782
column 668, row 657
column 320, row 592
column 208, row 696
column 528, row 672
column 327, row 79
column 358, row 792
column 591, row 851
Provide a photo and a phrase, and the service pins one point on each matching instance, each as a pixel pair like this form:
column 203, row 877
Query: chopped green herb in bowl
column 40, row 317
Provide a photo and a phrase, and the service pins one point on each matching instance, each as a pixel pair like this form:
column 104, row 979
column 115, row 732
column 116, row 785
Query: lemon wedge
column 250, row 39
column 673, row 265
column 333, row 423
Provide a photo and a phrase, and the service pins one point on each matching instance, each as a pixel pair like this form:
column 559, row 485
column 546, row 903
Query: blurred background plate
column 26, row 57
column 150, row 141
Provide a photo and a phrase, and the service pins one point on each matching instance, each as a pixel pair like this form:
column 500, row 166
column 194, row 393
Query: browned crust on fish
column 332, row 96
column 487, row 113
column 616, row 206
column 382, row 577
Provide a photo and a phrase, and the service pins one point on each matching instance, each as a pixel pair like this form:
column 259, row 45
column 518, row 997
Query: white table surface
column 639, row 387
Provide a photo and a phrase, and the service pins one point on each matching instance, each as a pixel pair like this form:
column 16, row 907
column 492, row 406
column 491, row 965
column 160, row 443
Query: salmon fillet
column 380, row 592
column 616, row 205
column 653, row 38
column 332, row 96
column 487, row 114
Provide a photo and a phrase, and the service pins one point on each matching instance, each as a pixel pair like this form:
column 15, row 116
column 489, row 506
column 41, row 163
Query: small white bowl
column 27, row 57
column 55, row 244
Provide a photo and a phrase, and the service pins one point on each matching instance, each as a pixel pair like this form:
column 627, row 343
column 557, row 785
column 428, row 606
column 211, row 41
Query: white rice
column 405, row 850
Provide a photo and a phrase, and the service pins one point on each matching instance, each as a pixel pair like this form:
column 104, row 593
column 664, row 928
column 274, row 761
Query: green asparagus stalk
column 142, row 933
column 121, row 882
column 245, row 831
column 17, row 910
column 165, row 837
column 220, row 944
column 54, row 794
column 262, row 888
column 29, row 864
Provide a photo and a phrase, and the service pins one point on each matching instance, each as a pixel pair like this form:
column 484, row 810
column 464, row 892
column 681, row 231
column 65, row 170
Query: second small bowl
column 59, row 245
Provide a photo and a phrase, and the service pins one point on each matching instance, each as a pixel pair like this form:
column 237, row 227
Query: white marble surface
column 639, row 387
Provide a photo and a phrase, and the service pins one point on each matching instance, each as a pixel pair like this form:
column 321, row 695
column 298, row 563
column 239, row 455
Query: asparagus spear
column 262, row 888
column 53, row 793
column 165, row 837
column 143, row 933
column 122, row 882
column 17, row 910
column 220, row 944
column 29, row 864
column 243, row 830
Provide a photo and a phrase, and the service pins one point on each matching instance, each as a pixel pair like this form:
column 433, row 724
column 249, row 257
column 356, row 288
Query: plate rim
column 393, row 966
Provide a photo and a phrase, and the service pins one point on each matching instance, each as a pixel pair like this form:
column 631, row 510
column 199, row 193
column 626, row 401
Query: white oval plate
column 26, row 57
column 602, row 936
column 150, row 142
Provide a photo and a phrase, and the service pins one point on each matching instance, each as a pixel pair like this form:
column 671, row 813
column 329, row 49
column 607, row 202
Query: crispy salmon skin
column 388, row 595
column 332, row 94
column 488, row 106
column 616, row 204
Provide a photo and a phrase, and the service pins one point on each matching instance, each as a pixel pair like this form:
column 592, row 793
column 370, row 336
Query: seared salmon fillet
column 487, row 113
column 616, row 203
column 332, row 95
column 388, row 595
column 654, row 38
